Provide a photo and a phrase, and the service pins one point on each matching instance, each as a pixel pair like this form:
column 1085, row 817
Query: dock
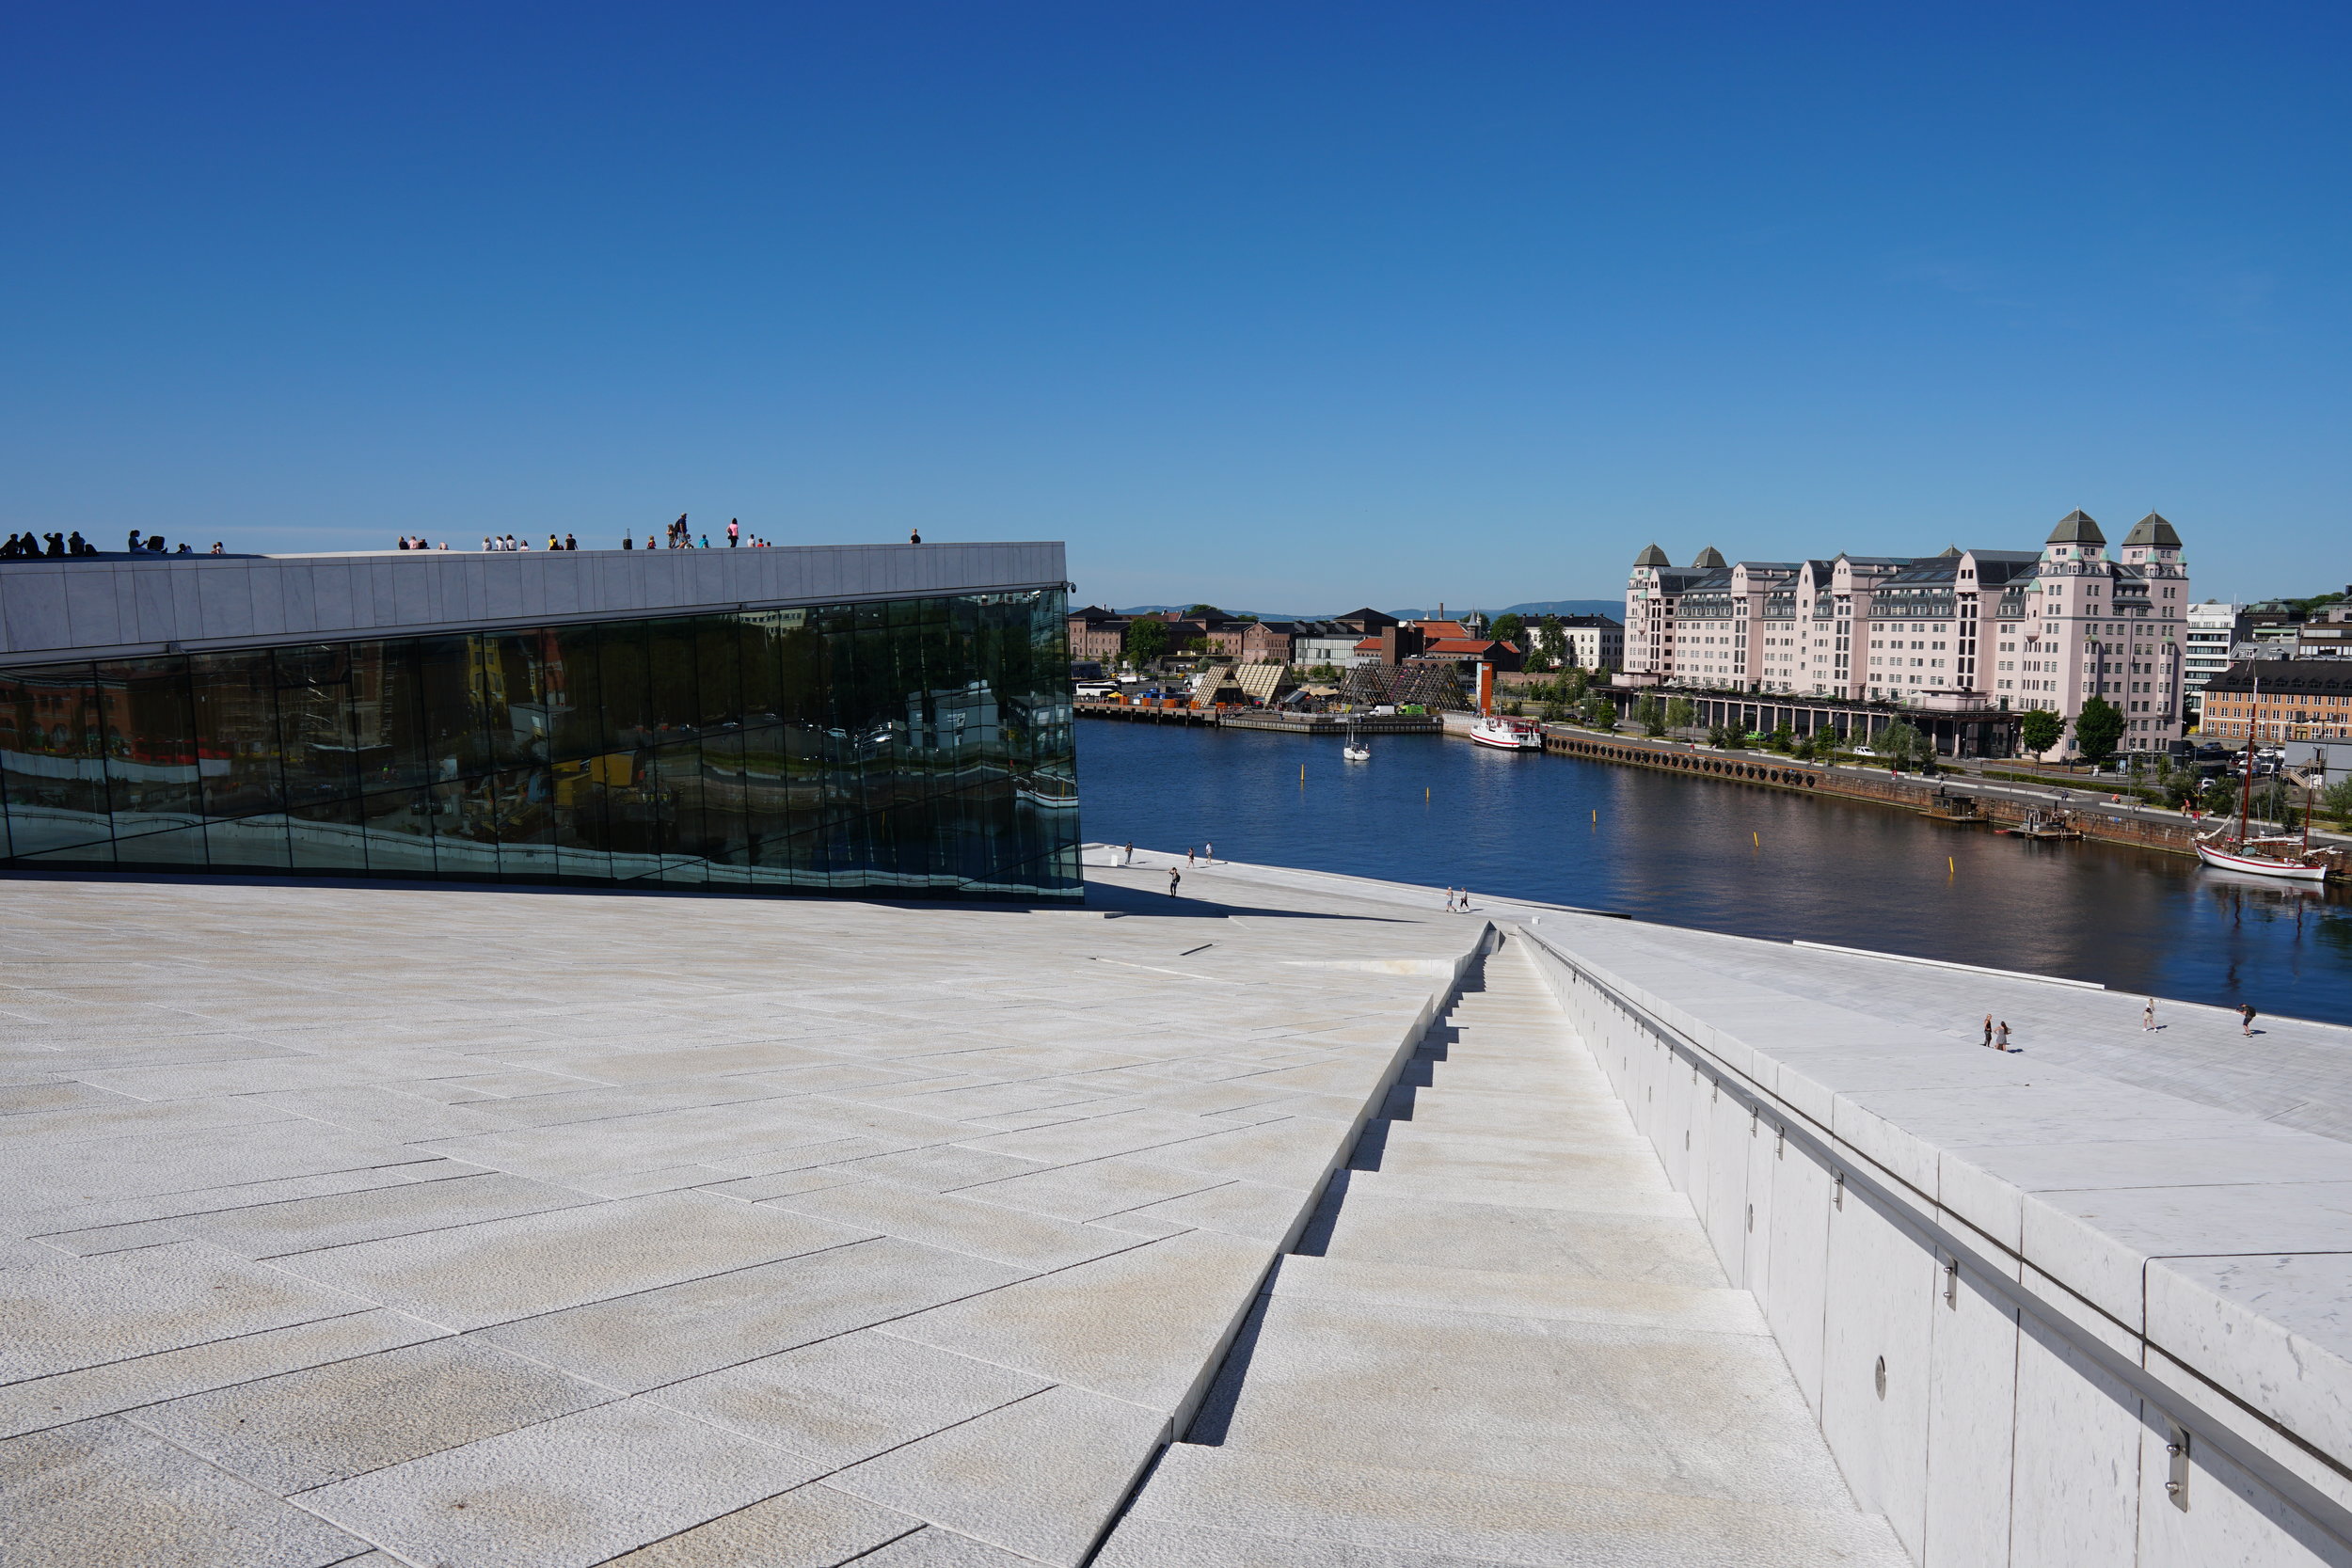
column 1261, row 718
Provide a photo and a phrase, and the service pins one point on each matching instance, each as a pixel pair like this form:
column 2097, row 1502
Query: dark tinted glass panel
column 912, row 745
column 317, row 744
column 53, row 763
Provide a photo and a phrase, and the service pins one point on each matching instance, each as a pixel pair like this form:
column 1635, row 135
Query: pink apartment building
column 1964, row 631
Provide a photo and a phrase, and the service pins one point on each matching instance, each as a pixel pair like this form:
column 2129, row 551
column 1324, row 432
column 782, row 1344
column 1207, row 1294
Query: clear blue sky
column 1290, row 307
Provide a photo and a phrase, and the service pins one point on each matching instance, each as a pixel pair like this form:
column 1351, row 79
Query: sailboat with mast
column 2282, row 855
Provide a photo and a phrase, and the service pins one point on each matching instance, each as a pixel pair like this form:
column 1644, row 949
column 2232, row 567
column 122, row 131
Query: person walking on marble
column 2148, row 1016
column 2246, row 1016
column 1988, row 1028
column 1174, row 877
column 2001, row 1035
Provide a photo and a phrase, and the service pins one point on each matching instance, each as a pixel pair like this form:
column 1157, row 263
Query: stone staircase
column 1503, row 1339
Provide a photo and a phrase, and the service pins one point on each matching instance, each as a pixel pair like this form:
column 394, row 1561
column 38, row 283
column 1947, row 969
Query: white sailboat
column 2283, row 855
column 1354, row 748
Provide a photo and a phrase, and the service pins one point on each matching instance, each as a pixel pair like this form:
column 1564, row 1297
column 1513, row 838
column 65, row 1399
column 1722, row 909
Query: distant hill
column 1615, row 609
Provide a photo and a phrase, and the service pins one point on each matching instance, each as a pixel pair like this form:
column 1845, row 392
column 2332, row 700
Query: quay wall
column 2152, row 1377
column 2088, row 815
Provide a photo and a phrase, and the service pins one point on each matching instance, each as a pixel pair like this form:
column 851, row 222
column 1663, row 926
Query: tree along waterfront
column 1753, row 861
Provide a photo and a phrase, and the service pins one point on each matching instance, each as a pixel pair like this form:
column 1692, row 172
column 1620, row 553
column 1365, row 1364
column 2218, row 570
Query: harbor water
column 1738, row 858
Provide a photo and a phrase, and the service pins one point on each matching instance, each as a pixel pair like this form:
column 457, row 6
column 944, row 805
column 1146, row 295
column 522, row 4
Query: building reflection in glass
column 910, row 746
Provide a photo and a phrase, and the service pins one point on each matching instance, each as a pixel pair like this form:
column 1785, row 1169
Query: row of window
column 917, row 744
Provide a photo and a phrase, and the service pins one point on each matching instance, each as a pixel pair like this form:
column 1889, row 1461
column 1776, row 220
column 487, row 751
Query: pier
column 1263, row 719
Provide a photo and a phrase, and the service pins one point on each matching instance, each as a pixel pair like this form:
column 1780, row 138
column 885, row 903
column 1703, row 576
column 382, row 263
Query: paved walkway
column 1504, row 1340
column 472, row 1228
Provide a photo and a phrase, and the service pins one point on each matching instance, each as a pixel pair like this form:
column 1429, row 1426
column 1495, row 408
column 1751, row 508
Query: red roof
column 1369, row 645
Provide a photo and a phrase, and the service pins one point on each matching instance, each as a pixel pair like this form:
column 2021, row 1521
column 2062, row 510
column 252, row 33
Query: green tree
column 1507, row 628
column 2275, row 802
column 2336, row 800
column 1194, row 645
column 1782, row 740
column 1206, row 612
column 2039, row 730
column 1599, row 711
column 1651, row 715
column 1682, row 714
column 1545, row 643
column 1147, row 641
column 2097, row 730
column 2220, row 797
column 1899, row 743
column 1721, row 735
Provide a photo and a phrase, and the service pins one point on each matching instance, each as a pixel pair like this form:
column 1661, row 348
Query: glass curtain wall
column 912, row 746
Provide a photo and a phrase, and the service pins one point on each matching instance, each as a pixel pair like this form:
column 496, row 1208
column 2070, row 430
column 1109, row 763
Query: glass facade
column 909, row 747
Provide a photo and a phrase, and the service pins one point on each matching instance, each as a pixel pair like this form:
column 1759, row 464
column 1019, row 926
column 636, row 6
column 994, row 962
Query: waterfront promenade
column 426, row 1225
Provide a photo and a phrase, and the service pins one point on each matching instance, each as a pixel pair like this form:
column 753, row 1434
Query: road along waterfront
column 1750, row 859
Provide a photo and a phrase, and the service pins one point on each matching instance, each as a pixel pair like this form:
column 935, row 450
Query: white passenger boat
column 1509, row 735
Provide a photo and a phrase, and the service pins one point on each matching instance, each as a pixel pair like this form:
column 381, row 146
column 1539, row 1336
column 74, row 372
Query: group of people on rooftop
column 682, row 538
column 27, row 546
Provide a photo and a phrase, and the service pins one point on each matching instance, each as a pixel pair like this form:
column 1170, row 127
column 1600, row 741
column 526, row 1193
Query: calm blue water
column 1722, row 857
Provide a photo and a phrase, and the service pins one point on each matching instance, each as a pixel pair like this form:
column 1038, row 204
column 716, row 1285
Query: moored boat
column 2253, row 855
column 2287, row 856
column 1509, row 735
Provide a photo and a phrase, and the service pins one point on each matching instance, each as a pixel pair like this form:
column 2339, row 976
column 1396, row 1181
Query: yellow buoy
column 1949, row 869
column 1756, row 841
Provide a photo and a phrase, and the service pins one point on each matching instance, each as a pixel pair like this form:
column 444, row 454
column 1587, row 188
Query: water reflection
column 1725, row 858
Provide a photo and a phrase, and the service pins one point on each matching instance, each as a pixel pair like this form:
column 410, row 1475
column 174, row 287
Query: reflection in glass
column 918, row 746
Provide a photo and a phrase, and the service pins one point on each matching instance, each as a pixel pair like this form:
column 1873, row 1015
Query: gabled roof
column 2076, row 528
column 1711, row 557
column 1368, row 618
column 1950, row 552
column 1652, row 556
column 2154, row 529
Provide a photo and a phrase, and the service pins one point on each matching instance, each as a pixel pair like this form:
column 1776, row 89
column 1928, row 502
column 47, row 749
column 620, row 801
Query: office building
column 878, row 719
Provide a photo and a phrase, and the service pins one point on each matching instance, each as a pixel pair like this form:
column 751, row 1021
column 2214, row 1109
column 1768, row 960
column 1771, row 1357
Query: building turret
column 1653, row 556
column 2075, row 538
column 1708, row 559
